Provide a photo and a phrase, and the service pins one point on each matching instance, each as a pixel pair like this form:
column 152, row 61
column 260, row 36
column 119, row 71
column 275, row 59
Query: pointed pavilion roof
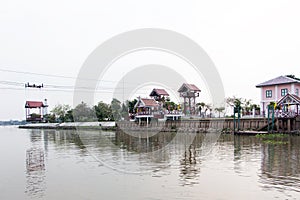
column 189, row 87
column 290, row 99
column 145, row 102
column 34, row 104
column 159, row 92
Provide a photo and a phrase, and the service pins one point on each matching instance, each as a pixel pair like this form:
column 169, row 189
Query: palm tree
column 219, row 110
column 247, row 106
column 234, row 101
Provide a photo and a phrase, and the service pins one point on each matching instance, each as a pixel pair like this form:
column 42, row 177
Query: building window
column 297, row 92
column 284, row 92
column 268, row 93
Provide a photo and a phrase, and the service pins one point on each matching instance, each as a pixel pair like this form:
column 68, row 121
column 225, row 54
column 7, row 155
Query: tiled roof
column 149, row 102
column 190, row 87
column 34, row 104
column 159, row 92
column 277, row 81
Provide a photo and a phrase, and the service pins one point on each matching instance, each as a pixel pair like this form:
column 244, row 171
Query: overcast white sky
column 249, row 41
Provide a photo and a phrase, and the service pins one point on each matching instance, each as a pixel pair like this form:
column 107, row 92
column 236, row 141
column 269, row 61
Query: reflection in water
column 280, row 163
column 189, row 161
column 35, row 175
column 277, row 166
column 35, row 136
column 280, row 168
column 35, row 156
column 35, row 159
column 35, row 165
column 246, row 152
column 36, row 184
column 141, row 142
column 189, row 170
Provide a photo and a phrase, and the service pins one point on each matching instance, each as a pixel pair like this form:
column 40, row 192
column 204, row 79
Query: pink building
column 275, row 89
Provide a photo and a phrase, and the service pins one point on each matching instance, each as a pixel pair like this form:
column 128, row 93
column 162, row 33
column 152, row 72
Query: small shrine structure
column 189, row 92
column 159, row 95
column 146, row 109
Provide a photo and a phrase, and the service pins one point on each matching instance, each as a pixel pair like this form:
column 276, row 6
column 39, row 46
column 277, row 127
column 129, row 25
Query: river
column 110, row 165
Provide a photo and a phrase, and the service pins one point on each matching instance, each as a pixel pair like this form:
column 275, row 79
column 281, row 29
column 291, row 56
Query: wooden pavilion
column 189, row 92
column 35, row 105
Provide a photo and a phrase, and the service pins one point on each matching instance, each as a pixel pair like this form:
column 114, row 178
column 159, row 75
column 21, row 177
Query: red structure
column 159, row 94
column 146, row 109
column 146, row 106
column 37, row 105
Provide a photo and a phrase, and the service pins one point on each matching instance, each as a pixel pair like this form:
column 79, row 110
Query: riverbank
column 72, row 126
column 245, row 126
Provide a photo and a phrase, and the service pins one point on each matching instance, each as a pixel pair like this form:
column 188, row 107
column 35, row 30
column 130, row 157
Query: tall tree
column 234, row 101
column 124, row 110
column 83, row 113
column 69, row 116
column 220, row 110
column 116, row 109
column 131, row 105
column 103, row 111
column 247, row 106
column 60, row 111
column 170, row 105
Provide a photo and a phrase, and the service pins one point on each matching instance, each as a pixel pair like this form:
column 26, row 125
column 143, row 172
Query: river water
column 109, row 165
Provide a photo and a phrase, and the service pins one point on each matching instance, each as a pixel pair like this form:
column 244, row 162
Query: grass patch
column 275, row 142
column 274, row 138
column 271, row 136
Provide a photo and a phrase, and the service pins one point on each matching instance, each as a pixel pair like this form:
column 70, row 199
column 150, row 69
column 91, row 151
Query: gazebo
column 35, row 117
column 189, row 92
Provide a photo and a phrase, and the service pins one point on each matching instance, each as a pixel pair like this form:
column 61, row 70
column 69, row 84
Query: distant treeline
column 12, row 122
column 84, row 113
column 117, row 110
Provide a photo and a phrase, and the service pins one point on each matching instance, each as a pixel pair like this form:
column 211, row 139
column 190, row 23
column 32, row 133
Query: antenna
column 33, row 85
column 123, row 88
